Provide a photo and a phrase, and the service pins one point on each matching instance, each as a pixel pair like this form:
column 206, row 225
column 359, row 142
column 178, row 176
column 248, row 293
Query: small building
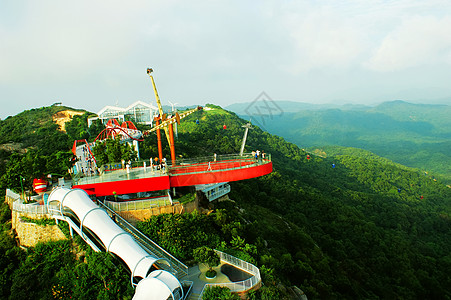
column 139, row 112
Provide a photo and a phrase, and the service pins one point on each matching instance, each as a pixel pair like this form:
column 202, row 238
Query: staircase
column 194, row 295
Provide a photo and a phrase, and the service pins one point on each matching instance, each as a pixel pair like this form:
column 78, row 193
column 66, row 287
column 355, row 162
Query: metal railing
column 143, row 169
column 217, row 192
column 229, row 162
column 239, row 286
column 120, row 174
column 12, row 195
column 138, row 204
column 19, row 206
column 32, row 208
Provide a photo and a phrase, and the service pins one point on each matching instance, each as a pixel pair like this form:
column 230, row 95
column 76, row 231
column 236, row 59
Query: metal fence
column 32, row 208
column 142, row 168
column 218, row 192
column 239, row 286
column 138, row 204
column 19, row 206
column 12, row 195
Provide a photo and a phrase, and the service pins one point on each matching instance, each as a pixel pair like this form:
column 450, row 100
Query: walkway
column 197, row 276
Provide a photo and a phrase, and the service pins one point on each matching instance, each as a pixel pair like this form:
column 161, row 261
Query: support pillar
column 171, row 143
column 160, row 150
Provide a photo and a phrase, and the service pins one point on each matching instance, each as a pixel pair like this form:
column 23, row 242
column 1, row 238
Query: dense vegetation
column 350, row 224
column 113, row 150
column 415, row 135
column 57, row 270
column 345, row 223
column 33, row 146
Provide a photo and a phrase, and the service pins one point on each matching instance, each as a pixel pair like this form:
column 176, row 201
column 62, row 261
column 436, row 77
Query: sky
column 89, row 54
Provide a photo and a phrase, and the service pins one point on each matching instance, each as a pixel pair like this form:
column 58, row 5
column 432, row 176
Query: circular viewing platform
column 141, row 176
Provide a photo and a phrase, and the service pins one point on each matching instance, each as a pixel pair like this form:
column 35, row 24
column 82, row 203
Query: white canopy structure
column 139, row 112
column 150, row 274
column 158, row 285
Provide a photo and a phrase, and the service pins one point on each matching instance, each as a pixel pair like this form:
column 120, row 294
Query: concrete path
column 196, row 274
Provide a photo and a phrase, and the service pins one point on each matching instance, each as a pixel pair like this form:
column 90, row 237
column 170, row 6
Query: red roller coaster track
column 127, row 130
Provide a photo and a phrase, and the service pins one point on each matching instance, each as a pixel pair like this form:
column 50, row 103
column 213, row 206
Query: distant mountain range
column 416, row 135
column 291, row 106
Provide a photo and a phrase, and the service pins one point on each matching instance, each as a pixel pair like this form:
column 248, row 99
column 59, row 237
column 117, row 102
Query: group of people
column 86, row 162
column 158, row 164
column 256, row 155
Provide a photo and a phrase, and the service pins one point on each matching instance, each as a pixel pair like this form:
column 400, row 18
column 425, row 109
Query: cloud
column 321, row 39
column 417, row 41
column 87, row 53
column 55, row 38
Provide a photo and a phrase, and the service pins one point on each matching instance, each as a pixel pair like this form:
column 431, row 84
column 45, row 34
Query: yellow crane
column 166, row 123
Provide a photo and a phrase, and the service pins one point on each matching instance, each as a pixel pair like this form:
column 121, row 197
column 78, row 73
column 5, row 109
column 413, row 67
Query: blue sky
column 88, row 54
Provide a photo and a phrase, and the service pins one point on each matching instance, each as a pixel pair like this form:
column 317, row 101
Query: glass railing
column 138, row 204
column 145, row 169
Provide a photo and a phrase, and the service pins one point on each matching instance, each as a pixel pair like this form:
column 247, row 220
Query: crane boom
column 165, row 123
column 160, row 108
column 172, row 120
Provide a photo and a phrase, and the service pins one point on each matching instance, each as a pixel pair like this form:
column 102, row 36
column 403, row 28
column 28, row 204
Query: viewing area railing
column 19, row 206
column 221, row 162
column 240, row 286
column 144, row 169
column 32, row 208
column 216, row 190
column 138, row 204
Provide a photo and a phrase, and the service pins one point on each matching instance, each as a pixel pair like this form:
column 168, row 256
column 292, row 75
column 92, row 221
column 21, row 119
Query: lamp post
column 174, row 111
column 247, row 126
column 21, row 185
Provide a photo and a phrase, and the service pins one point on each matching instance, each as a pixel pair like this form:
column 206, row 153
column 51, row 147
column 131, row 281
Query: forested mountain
column 352, row 224
column 33, row 144
column 416, row 135
column 339, row 223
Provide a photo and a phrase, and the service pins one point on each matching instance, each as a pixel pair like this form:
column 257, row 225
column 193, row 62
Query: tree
column 113, row 150
column 207, row 256
column 218, row 292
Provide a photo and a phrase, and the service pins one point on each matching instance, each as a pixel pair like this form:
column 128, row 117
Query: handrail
column 29, row 208
column 138, row 204
column 182, row 170
column 239, row 286
column 12, row 195
column 217, row 192
column 195, row 165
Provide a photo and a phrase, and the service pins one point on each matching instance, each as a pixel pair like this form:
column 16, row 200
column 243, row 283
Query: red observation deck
column 142, row 177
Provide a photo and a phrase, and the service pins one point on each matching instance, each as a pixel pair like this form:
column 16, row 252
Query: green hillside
column 366, row 228
column 344, row 224
column 33, row 145
column 416, row 135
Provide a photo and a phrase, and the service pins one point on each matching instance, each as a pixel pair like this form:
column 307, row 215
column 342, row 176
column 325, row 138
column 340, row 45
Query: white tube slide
column 153, row 283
